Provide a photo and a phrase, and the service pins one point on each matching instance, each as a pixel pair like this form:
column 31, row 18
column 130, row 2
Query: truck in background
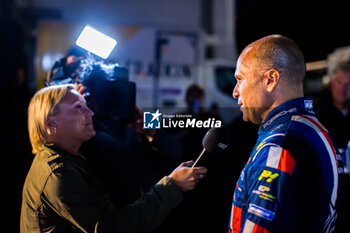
column 165, row 63
column 162, row 63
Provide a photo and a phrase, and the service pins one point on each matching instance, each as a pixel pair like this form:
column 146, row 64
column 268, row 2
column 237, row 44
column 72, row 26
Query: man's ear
column 271, row 79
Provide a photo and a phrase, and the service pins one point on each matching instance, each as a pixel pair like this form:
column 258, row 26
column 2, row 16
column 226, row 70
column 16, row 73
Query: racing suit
column 292, row 179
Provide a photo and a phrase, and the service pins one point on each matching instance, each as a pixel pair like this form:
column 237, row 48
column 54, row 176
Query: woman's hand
column 187, row 178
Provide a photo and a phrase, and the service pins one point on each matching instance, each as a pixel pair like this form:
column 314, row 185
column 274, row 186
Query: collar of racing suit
column 302, row 105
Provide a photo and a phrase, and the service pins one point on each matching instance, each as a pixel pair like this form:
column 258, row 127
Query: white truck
column 163, row 63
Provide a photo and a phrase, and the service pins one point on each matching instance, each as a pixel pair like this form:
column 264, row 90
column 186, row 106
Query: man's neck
column 281, row 100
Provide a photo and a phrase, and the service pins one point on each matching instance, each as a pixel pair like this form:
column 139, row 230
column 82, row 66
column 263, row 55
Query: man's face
column 340, row 88
column 249, row 89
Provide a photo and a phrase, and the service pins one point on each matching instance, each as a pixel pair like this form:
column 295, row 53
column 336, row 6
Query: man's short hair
column 283, row 54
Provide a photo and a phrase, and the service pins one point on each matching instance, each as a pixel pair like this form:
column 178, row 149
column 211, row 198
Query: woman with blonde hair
column 61, row 194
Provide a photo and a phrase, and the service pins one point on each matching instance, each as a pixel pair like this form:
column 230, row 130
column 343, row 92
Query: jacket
column 61, row 194
column 292, row 180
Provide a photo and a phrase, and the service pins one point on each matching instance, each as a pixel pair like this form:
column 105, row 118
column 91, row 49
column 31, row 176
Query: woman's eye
column 79, row 106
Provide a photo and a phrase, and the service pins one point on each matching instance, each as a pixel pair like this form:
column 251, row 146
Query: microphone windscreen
column 216, row 140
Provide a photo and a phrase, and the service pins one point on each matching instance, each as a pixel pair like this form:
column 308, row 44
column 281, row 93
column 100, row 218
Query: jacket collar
column 285, row 111
column 53, row 149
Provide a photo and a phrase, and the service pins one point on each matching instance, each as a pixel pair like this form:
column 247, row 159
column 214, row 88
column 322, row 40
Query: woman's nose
column 87, row 111
column 91, row 113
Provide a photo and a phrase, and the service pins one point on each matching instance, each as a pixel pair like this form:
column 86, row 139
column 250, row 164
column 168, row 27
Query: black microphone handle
column 199, row 157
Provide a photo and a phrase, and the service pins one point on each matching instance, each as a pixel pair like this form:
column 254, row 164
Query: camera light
column 96, row 42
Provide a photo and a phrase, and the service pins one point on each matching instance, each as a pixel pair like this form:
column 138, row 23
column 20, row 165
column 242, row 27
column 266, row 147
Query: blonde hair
column 42, row 105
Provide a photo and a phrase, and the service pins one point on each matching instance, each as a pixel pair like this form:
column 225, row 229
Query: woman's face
column 73, row 121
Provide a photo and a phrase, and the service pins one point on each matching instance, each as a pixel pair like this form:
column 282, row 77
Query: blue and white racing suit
column 292, row 179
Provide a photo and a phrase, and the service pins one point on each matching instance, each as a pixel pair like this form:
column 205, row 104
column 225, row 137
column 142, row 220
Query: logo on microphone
column 222, row 145
column 151, row 120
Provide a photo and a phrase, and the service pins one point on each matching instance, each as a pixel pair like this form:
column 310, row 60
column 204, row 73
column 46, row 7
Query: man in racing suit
column 291, row 181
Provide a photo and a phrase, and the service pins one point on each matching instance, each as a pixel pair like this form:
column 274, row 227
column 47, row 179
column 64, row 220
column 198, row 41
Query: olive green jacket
column 61, row 194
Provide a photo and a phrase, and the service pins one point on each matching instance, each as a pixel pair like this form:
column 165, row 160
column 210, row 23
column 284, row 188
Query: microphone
column 214, row 141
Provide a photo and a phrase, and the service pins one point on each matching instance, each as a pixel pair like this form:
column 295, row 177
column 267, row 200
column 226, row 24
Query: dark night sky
column 318, row 27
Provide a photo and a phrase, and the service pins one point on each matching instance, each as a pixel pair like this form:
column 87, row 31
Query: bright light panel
column 96, row 42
